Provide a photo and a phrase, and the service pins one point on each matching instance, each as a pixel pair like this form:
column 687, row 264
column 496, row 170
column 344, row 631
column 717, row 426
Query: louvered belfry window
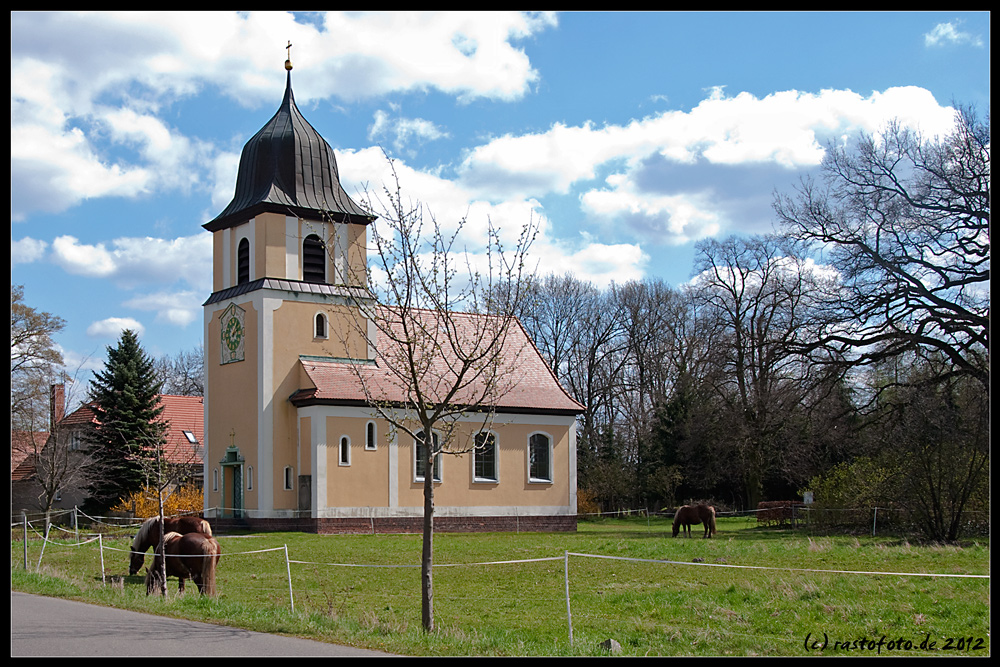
column 243, row 262
column 313, row 260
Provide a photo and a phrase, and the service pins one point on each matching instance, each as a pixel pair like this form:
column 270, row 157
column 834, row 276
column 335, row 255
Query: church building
column 292, row 443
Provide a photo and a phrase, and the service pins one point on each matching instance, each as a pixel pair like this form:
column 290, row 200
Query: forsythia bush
column 586, row 503
column 184, row 500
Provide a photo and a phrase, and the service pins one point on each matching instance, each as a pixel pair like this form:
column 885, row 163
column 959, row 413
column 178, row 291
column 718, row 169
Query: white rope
column 787, row 569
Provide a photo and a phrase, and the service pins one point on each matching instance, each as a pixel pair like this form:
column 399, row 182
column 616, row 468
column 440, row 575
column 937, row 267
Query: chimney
column 57, row 405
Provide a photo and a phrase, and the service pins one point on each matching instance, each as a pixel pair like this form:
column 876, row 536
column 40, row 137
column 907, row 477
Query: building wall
column 383, row 482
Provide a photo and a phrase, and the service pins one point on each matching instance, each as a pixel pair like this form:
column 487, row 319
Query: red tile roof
column 183, row 413
column 23, row 445
column 534, row 388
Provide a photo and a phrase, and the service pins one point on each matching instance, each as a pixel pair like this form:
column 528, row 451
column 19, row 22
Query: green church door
column 234, row 462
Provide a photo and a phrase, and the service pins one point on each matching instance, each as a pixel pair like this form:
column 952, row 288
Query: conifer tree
column 125, row 398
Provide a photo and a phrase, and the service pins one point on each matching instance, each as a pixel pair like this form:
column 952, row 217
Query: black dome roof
column 287, row 167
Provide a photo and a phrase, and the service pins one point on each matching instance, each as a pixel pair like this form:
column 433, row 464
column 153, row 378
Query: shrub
column 143, row 504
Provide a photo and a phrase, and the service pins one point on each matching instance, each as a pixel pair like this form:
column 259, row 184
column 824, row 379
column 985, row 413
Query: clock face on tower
column 232, row 334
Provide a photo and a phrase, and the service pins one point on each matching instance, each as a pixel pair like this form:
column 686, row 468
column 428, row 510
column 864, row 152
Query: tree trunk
column 427, row 556
column 160, row 547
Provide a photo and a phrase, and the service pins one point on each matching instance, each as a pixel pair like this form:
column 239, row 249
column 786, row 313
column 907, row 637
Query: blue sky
column 627, row 136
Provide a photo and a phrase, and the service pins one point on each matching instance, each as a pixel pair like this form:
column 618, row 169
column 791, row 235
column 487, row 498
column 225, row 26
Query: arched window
column 243, row 262
column 485, row 457
column 345, row 450
column 249, row 478
column 320, row 325
column 313, row 260
column 539, row 458
column 420, row 457
column 289, row 478
column 370, row 436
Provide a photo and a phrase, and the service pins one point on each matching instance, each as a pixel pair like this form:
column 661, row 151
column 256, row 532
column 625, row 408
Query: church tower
column 288, row 256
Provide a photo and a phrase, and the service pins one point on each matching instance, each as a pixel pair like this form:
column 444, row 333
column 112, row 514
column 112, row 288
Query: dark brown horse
column 149, row 535
column 689, row 515
column 193, row 556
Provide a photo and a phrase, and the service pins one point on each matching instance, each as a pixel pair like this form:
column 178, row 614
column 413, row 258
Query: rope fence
column 565, row 558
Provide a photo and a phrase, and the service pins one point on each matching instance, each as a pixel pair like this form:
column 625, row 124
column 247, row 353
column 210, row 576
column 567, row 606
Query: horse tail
column 206, row 528
column 711, row 518
column 212, row 552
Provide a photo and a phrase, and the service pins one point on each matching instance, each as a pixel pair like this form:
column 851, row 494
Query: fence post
column 874, row 521
column 45, row 541
column 76, row 525
column 288, row 566
column 100, row 544
column 569, row 613
column 24, row 523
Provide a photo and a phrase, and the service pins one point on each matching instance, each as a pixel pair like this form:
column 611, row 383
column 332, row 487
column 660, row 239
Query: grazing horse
column 695, row 514
column 191, row 556
column 149, row 535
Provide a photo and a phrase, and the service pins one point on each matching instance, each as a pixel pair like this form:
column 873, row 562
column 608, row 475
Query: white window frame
column 344, row 447
column 249, row 478
column 289, row 478
column 437, row 466
column 371, row 444
column 326, row 326
column 496, row 460
column 540, row 480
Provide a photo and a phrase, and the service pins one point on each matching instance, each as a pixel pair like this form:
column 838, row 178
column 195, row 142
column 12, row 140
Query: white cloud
column 27, row 250
column 403, row 133
column 82, row 259
column 944, row 34
column 113, row 327
column 174, row 308
column 787, row 128
column 139, row 260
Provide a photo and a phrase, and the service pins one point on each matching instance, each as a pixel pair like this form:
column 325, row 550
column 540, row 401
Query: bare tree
column 61, row 465
column 183, row 374
column 33, row 359
column 445, row 338
column 758, row 292
column 905, row 220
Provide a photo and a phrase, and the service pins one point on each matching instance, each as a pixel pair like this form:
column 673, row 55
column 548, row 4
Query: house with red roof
column 52, row 460
column 294, row 434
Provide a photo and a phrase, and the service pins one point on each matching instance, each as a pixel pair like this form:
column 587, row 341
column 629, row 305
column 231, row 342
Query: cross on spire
column 288, row 62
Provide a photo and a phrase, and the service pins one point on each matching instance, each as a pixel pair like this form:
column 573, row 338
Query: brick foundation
column 388, row 525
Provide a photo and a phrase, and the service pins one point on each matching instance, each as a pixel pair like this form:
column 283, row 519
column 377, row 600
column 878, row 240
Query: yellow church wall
column 294, row 335
column 459, row 488
column 232, row 405
column 364, row 480
column 357, row 255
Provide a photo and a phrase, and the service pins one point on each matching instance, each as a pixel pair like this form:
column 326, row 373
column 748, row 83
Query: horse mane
column 206, row 527
column 143, row 533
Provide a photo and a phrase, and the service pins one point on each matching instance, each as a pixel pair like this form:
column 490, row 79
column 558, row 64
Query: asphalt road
column 52, row 627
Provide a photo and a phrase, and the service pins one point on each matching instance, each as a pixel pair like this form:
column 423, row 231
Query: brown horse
column 193, row 556
column 689, row 515
column 149, row 535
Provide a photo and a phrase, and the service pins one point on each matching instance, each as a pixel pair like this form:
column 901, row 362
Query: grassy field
column 697, row 606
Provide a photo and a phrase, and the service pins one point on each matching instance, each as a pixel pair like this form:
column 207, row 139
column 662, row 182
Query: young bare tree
column 61, row 466
column 445, row 337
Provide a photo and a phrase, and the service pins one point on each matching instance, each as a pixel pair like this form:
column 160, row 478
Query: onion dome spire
column 287, row 167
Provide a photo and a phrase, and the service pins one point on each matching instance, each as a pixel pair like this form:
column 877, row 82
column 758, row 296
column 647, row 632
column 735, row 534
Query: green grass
column 520, row 609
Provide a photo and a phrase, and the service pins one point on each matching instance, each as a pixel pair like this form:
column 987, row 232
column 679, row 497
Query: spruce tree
column 125, row 397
